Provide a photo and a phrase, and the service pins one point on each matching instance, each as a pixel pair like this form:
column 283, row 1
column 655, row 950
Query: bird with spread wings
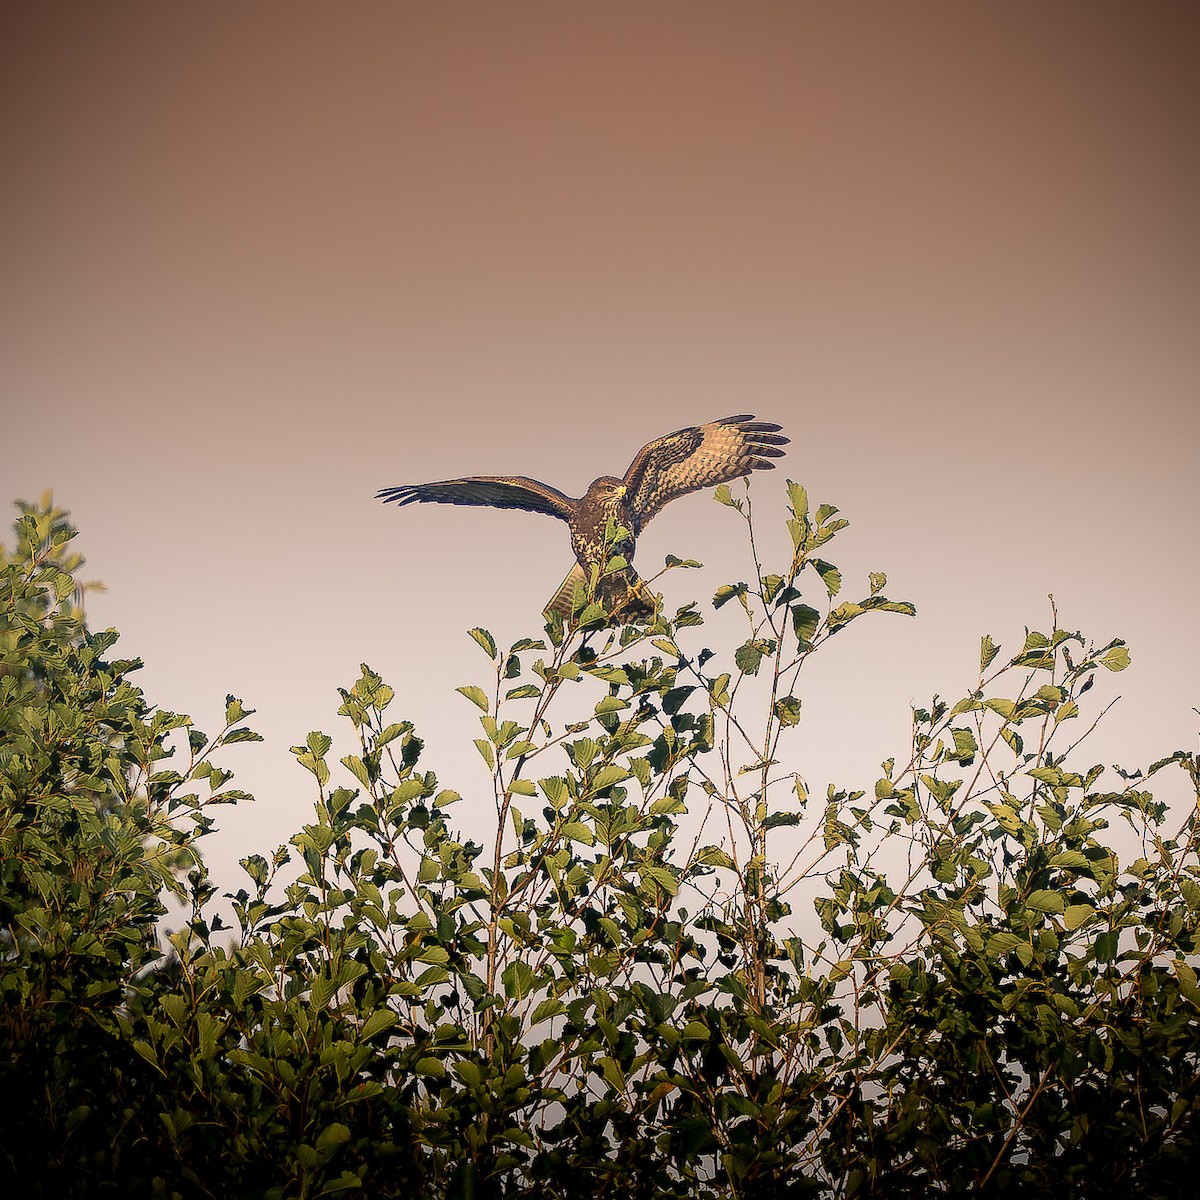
column 671, row 466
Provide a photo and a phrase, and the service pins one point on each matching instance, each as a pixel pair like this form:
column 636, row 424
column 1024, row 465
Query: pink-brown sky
column 258, row 260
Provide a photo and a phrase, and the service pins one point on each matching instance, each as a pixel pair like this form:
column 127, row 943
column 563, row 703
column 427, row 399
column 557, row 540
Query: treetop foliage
column 660, row 966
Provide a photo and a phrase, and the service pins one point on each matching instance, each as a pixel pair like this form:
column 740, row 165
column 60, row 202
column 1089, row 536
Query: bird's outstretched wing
column 493, row 491
column 698, row 457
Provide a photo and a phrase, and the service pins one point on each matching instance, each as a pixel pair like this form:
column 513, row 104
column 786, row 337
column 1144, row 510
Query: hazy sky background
column 258, row 260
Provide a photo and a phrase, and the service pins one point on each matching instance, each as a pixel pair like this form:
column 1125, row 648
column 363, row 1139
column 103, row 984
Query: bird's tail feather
column 623, row 594
column 573, row 588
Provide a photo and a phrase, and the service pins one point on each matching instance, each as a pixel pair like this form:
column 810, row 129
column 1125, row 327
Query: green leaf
column 749, row 655
column 611, row 1069
column 663, row 878
column 552, row 1006
column 1117, row 659
column 607, row 776
column 1072, row 860
column 727, row 592
column 987, row 652
column 965, row 746
column 376, row 1023
column 475, row 694
column 333, row 1135
column 724, row 496
column 787, row 711
column 805, row 621
column 844, row 614
column 667, row 806
column 1003, row 943
column 485, row 640
column 712, row 856
column 831, row 577
column 1045, row 901
column 609, row 674
column 798, row 498
column 468, row 1072
column 576, row 832
column 518, row 980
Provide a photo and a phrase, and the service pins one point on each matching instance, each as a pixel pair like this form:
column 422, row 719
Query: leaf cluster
column 645, row 958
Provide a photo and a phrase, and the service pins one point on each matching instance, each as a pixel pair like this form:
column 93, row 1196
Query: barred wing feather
column 698, row 457
column 492, row 491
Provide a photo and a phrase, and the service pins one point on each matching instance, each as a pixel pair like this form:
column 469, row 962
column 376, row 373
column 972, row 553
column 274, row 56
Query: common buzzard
column 681, row 462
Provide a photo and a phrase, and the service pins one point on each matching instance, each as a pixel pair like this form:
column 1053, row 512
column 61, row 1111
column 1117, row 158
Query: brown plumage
column 671, row 466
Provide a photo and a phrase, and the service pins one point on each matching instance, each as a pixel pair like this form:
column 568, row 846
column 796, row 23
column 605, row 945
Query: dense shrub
column 660, row 968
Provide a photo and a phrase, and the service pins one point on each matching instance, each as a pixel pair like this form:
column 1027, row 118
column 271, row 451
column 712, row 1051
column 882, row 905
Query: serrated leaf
column 666, row 806
column 1045, row 901
column 550, row 1007
column 965, row 746
column 798, row 498
column 485, row 640
column 518, row 980
column 727, row 592
column 712, row 856
column 748, row 656
column 608, row 775
column 718, row 690
column 844, row 614
column 1117, row 659
column 1003, row 943
column 987, row 652
column 576, row 832
column 831, row 577
column 476, row 695
column 468, row 1072
column 376, row 1023
column 805, row 622
column 333, row 1135
column 1072, row 860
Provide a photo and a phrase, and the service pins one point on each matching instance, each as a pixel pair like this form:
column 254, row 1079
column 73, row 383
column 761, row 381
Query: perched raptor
column 681, row 462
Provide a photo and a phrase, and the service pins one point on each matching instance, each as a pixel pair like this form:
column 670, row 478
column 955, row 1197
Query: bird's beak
column 621, row 489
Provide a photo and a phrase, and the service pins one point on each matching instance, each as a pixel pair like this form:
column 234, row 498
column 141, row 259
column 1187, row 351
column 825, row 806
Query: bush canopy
column 650, row 963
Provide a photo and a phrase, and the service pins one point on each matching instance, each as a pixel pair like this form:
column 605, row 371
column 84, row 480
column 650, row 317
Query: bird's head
column 608, row 488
